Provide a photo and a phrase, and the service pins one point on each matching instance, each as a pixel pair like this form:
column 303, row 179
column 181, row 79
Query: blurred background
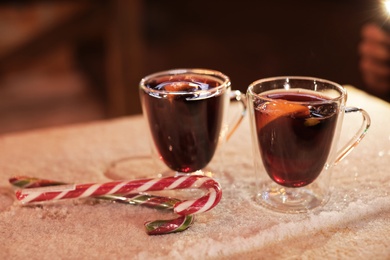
column 65, row 62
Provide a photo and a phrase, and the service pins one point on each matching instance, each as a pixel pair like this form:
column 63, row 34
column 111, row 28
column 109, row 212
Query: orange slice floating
column 279, row 107
column 181, row 86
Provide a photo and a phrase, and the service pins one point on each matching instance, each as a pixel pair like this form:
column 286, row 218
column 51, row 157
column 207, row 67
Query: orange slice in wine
column 181, row 86
column 279, row 107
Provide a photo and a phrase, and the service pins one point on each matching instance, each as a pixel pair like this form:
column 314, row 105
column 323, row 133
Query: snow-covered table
column 354, row 224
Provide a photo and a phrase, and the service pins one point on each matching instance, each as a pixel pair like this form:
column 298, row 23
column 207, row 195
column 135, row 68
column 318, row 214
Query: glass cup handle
column 237, row 96
column 359, row 134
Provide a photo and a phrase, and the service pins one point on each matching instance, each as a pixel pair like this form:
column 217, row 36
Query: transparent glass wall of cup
column 186, row 113
column 296, row 124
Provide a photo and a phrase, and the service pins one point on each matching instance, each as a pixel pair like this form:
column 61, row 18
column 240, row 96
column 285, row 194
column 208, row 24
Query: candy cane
column 157, row 227
column 153, row 201
column 186, row 207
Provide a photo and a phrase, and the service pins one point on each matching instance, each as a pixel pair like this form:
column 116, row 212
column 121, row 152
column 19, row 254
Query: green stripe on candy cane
column 174, row 225
column 31, row 182
column 158, row 227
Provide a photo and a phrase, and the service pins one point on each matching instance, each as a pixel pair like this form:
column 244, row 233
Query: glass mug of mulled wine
column 186, row 113
column 296, row 124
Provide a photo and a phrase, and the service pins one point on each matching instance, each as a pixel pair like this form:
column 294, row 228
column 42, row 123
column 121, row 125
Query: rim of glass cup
column 225, row 80
column 342, row 91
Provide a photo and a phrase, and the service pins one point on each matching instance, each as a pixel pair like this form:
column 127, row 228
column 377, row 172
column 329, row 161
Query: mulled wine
column 295, row 139
column 185, row 118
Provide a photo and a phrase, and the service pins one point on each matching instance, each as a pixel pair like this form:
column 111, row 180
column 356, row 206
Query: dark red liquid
column 185, row 128
column 295, row 146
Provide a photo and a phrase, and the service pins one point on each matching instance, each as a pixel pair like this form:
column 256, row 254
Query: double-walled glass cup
column 186, row 112
column 296, row 124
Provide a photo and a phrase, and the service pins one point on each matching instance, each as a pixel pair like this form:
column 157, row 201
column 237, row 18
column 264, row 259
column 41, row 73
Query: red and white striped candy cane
column 185, row 207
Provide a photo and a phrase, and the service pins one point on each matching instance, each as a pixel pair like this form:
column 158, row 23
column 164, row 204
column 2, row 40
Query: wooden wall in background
column 91, row 55
column 249, row 40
